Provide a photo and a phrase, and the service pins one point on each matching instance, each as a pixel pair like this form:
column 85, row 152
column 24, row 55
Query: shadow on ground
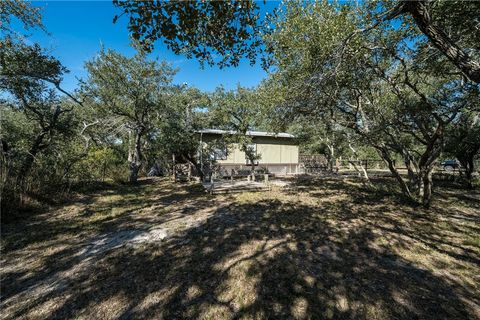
column 351, row 255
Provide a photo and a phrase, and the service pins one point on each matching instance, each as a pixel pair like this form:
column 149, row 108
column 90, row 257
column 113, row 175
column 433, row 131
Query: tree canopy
column 220, row 32
column 390, row 80
column 377, row 85
column 234, row 29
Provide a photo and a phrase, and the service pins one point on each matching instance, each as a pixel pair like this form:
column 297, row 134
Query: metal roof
column 249, row 133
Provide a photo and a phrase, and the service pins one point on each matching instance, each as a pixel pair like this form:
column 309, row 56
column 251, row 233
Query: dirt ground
column 325, row 248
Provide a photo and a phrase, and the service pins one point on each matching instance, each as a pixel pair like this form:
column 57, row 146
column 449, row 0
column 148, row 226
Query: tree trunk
column 174, row 171
column 414, row 178
column 331, row 159
column 362, row 171
column 252, row 163
column 420, row 186
column 398, row 177
column 134, row 169
column 391, row 166
column 420, row 13
column 466, row 160
column 410, row 170
column 426, row 177
column 135, row 157
column 425, row 164
column 27, row 164
column 469, row 172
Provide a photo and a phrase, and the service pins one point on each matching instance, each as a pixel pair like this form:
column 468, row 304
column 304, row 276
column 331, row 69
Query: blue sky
column 77, row 29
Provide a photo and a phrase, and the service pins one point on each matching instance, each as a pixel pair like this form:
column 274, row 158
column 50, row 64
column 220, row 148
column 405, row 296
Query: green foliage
column 103, row 163
column 28, row 15
column 463, row 142
column 458, row 19
column 133, row 94
column 36, row 118
column 238, row 111
column 130, row 88
column 201, row 29
column 374, row 89
column 175, row 133
column 345, row 78
column 446, row 28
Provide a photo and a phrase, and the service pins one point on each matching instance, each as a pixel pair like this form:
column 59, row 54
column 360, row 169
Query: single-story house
column 277, row 152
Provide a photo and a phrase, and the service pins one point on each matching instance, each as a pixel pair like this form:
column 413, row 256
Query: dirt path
column 327, row 249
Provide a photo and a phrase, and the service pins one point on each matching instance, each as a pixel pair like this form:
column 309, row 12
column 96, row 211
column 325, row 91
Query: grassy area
column 325, row 248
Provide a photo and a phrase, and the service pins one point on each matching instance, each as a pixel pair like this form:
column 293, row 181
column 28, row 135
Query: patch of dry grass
column 326, row 248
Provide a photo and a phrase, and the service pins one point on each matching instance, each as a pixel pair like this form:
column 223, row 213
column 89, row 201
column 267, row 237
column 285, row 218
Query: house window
column 219, row 153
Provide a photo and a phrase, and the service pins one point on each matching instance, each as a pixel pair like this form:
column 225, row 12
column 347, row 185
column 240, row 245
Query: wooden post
column 104, row 170
column 174, row 171
column 266, row 178
column 231, row 175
